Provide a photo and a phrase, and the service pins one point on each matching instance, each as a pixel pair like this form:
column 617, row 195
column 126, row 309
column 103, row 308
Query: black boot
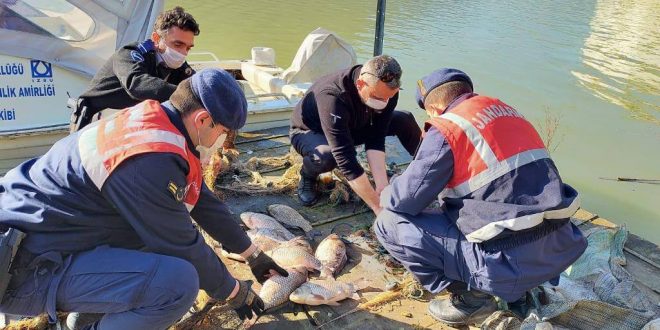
column 467, row 308
column 307, row 193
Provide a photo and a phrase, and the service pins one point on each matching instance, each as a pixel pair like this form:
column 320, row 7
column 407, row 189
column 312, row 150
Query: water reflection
column 621, row 56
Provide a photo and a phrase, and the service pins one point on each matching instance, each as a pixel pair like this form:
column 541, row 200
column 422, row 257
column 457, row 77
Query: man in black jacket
column 348, row 108
column 151, row 69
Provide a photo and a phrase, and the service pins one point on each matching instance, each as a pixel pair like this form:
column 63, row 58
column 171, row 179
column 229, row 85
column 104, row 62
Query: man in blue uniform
column 106, row 213
column 149, row 70
column 503, row 225
column 345, row 109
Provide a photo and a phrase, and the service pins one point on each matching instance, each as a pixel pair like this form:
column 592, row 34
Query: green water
column 594, row 64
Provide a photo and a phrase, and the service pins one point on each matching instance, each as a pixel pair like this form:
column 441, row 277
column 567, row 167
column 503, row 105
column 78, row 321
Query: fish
column 301, row 242
column 268, row 243
column 331, row 252
column 267, row 238
column 258, row 220
column 276, row 290
column 294, row 256
column 326, row 292
column 288, row 216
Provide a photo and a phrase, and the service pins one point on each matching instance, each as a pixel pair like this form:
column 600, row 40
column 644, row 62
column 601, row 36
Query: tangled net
column 229, row 175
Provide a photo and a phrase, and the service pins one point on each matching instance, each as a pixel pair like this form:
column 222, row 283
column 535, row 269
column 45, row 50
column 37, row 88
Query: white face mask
column 376, row 104
column 205, row 152
column 172, row 58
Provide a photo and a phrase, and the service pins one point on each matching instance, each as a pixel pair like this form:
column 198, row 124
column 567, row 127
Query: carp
column 326, row 292
column 294, row 256
column 288, row 216
column 331, row 252
column 276, row 290
column 258, row 220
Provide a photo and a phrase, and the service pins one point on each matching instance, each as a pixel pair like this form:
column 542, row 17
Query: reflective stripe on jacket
column 488, row 139
column 144, row 128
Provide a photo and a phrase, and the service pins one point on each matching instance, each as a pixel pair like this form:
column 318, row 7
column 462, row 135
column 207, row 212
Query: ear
column 360, row 84
column 201, row 117
column 155, row 37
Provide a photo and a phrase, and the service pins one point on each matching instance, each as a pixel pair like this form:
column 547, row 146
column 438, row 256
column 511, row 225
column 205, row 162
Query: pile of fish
column 295, row 254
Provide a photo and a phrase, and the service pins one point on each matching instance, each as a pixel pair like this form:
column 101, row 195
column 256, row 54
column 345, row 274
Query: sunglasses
column 387, row 78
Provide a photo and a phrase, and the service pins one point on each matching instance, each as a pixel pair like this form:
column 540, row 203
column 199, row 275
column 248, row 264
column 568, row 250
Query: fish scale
column 287, row 215
column 292, row 256
column 276, row 290
column 266, row 238
column 262, row 221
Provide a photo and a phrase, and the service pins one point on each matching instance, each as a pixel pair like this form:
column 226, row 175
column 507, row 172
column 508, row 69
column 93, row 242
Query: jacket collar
column 175, row 118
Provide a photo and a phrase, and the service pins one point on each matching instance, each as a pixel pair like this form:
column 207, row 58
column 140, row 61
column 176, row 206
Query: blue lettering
column 8, row 114
column 29, row 91
column 12, row 69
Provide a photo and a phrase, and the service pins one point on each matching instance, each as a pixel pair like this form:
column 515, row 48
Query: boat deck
column 643, row 257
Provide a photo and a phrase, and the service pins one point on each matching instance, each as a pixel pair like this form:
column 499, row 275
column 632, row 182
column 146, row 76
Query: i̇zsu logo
column 41, row 69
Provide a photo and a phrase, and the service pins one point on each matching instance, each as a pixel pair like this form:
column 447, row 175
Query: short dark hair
column 384, row 68
column 175, row 17
column 184, row 99
column 444, row 94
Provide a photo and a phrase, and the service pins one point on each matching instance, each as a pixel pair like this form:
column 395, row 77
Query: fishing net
column 230, row 175
column 596, row 292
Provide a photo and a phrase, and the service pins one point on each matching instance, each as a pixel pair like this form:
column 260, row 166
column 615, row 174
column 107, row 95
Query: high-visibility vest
column 488, row 139
column 143, row 128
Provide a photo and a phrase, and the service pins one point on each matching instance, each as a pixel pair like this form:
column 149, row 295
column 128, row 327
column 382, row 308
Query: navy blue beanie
column 437, row 78
column 221, row 96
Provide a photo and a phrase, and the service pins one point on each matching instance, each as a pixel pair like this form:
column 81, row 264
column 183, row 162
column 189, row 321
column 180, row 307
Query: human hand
column 246, row 302
column 263, row 266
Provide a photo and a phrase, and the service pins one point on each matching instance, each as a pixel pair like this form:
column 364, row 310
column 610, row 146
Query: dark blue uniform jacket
column 52, row 199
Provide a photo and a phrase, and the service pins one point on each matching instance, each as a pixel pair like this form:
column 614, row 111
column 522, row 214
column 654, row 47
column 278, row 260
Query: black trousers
column 317, row 157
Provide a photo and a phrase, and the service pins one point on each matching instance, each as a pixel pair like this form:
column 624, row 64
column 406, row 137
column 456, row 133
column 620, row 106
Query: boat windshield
column 57, row 18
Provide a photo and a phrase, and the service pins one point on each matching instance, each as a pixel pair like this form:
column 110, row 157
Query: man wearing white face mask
column 106, row 216
column 149, row 70
column 348, row 108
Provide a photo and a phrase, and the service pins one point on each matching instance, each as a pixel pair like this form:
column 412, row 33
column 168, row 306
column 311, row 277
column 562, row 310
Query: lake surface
column 595, row 65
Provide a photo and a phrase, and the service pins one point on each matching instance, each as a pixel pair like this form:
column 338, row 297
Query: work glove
column 261, row 264
column 246, row 303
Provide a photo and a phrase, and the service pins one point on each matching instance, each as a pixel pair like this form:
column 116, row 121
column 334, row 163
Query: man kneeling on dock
column 348, row 108
column 503, row 224
column 106, row 216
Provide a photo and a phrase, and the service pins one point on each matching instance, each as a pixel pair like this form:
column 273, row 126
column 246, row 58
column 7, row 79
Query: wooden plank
column 262, row 134
column 644, row 250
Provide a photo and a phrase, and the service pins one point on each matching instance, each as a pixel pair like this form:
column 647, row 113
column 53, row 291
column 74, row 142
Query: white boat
column 52, row 48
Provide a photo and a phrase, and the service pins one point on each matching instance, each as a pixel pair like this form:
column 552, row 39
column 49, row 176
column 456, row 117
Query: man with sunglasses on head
column 345, row 109
column 106, row 216
column 149, row 70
